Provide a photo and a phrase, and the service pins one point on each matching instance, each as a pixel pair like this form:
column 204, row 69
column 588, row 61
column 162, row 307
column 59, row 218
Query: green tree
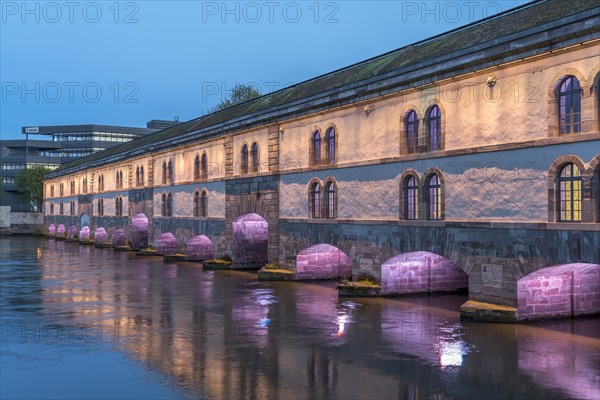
column 239, row 94
column 30, row 184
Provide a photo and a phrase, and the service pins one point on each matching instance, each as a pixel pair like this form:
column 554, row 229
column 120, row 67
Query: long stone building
column 475, row 152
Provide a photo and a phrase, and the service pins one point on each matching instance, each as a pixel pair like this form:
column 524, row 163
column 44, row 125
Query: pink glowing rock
column 200, row 248
column 559, row 291
column 60, row 231
column 250, row 237
column 51, row 230
column 118, row 238
column 323, row 261
column 100, row 235
column 166, row 244
column 139, row 231
column 421, row 272
column 72, row 232
column 84, row 233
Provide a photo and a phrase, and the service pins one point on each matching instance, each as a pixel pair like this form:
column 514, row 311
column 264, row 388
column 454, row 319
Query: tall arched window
column 170, row 172
column 196, row 168
column 411, row 125
column 52, row 191
column 164, row 173
column 72, row 187
column 142, row 175
column 244, row 165
column 434, row 197
column 164, row 205
column 315, row 141
column 137, row 176
column 170, row 205
column 570, row 194
column 118, row 206
column 61, row 208
column 121, row 179
column 330, row 145
column 330, row 200
column 85, row 187
column 411, row 198
column 569, row 105
column 204, row 204
column 72, row 207
column 315, row 200
column 196, row 210
column 204, row 168
column 255, row 160
column 434, row 125
column 62, row 189
column 100, row 207
column 51, row 208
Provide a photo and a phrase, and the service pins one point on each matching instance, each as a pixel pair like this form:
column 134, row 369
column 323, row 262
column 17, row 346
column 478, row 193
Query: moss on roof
column 509, row 22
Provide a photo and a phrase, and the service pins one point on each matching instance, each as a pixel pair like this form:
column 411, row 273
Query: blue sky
column 124, row 63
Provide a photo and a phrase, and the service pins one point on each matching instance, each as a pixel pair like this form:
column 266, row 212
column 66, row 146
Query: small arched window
column 196, row 210
column 52, row 191
column 411, row 198
column 330, row 145
column 72, row 187
column 137, row 176
column 569, row 105
column 72, row 207
column 204, row 204
column 255, row 159
column 164, row 173
column 315, row 141
column 170, row 205
column 411, row 125
column 196, row 168
column 170, row 172
column 330, row 200
column 204, row 168
column 315, row 200
column 163, row 205
column 434, row 124
column 434, row 198
column 570, row 194
column 244, row 165
column 60, row 208
column 51, row 208
column 142, row 175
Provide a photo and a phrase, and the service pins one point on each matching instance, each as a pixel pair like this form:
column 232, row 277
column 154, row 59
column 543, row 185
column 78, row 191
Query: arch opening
column 166, row 244
column 100, row 235
column 139, row 231
column 559, row 291
column 72, row 232
column 118, row 238
column 60, row 231
column 421, row 272
column 250, row 241
column 84, row 220
column 200, row 248
column 51, row 230
column 323, row 261
column 84, row 233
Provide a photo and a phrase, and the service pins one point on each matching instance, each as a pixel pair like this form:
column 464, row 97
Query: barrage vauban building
column 467, row 159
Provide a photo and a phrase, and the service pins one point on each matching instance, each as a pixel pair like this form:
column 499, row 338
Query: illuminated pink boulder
column 559, row 291
column 100, row 235
column 421, row 272
column 250, row 238
column 323, row 261
column 72, row 232
column 139, row 231
column 118, row 238
column 51, row 230
column 166, row 244
column 200, row 248
column 60, row 231
column 84, row 233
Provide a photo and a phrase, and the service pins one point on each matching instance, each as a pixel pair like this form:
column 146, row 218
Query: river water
column 84, row 323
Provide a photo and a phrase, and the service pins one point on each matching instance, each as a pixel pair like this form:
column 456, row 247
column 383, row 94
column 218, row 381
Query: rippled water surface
column 78, row 322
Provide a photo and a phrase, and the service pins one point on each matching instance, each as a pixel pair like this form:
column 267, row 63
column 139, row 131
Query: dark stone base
column 477, row 311
column 62, row 238
column 148, row 253
column 276, row 275
column 122, row 248
column 349, row 290
column 86, row 242
column 208, row 266
column 103, row 245
column 175, row 257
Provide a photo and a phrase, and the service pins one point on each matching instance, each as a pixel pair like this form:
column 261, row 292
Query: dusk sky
column 124, row 63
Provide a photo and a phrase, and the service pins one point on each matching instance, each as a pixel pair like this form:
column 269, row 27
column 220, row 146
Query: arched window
column 164, row 205
column 51, row 208
column 52, row 191
column 72, row 187
column 569, row 105
column 142, row 175
column 411, row 125
column 255, row 160
column 60, row 208
column 170, row 172
column 330, row 145
column 244, row 165
column 204, row 168
column 204, row 204
column 434, row 198
column 137, row 176
column 164, row 173
column 411, row 198
column 569, row 194
column 118, row 206
column 100, row 207
column 315, row 141
column 85, row 188
column 434, row 124
column 62, row 189
column 170, row 205
column 196, row 210
column 72, row 207
column 197, row 167
column 330, row 200
column 315, row 200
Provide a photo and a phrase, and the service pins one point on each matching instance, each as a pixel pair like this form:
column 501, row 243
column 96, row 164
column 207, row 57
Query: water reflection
column 226, row 335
